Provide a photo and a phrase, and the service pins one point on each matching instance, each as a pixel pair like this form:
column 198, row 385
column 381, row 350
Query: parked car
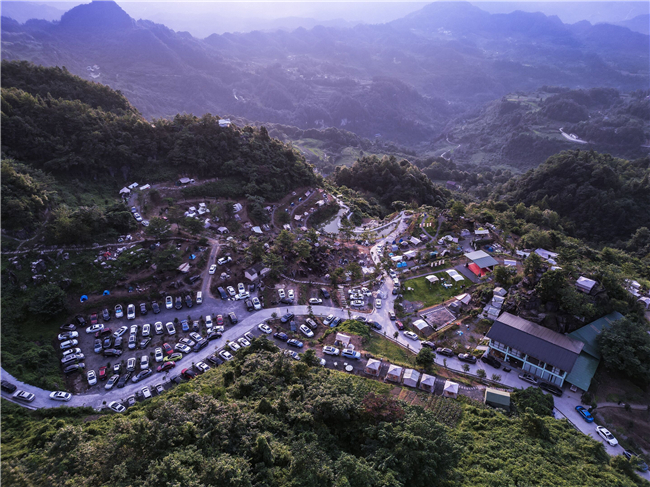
column 181, row 347
column 349, row 353
column 106, row 315
column 467, row 357
column 60, row 396
column 98, row 346
column 231, row 291
column 200, row 345
column 213, row 269
column 91, row 377
column 168, row 349
column 134, row 329
column 490, row 360
column 188, row 374
column 130, row 364
column 586, row 415
column 120, row 331
column 391, row 315
column 213, row 335
column 329, row 350
column 233, row 318
column 81, row 321
column 199, row 297
column 166, row 366
column 144, row 343
column 158, row 354
column 74, row 368
column 375, row 325
column 179, row 303
column 201, row 367
column 132, row 342
column 528, row 378
column 234, row 346
column 24, row 396
column 306, row 331
column 287, row 317
column 103, row 372
column 68, row 344
column 107, row 343
column 224, row 260
column 215, row 360
column 378, row 303
column 264, row 328
column 327, row 321
column 355, row 303
column 143, row 374
column 71, row 351
column 124, row 378
column 112, row 352
column 158, row 327
column 411, row 335
column 7, row 386
column 169, row 302
column 311, row 323
column 69, row 327
column 226, row 355
column 116, row 407
column 67, row 335
column 295, row 343
column 281, row 293
column 431, row 345
column 325, row 293
column 257, row 305
column 445, row 351
column 635, row 459
column 174, row 357
column 185, row 325
column 281, row 336
column 188, row 301
column 130, row 312
column 171, row 330
column 243, row 342
column 146, row 393
column 607, row 436
column 155, row 307
column 93, row 318
column 146, row 330
column 143, row 309
column 222, row 293
column 400, row 325
column 116, row 368
column 315, row 301
column 75, row 357
column 552, row 388
column 219, row 320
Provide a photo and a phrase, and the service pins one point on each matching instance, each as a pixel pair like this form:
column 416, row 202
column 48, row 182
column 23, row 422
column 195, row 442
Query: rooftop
column 588, row 334
column 482, row 259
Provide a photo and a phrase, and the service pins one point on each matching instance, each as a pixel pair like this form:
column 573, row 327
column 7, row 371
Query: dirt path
column 212, row 259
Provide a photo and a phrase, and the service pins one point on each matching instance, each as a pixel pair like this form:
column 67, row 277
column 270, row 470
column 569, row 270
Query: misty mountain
column 24, row 11
column 640, row 23
column 400, row 81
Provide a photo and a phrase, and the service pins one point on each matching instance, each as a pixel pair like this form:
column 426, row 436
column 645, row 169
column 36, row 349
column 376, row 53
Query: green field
column 432, row 294
column 379, row 346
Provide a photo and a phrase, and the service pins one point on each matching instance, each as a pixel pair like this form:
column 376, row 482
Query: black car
column 281, row 336
column 373, row 324
column 188, row 301
column 222, row 293
column 179, row 303
column 193, row 279
column 200, row 345
column 142, row 375
column 466, row 357
column 553, row 389
column 143, row 308
column 325, row 293
column 286, row 318
column 7, row 386
column 490, row 360
column 286, row 300
column 69, row 327
column 145, row 342
column 106, row 315
column 188, row 374
column 112, row 352
column 428, row 344
column 213, row 335
column 445, row 351
column 123, row 380
column 213, row 359
column 249, row 305
column 155, row 308
column 81, row 320
column 118, row 343
column 634, row 458
column 233, row 318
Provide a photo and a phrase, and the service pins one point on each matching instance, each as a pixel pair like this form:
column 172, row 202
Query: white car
column 202, row 367
column 146, row 393
column 231, row 291
column 224, row 260
column 158, row 326
column 144, row 362
column 378, row 303
column 130, row 312
column 356, row 303
column 256, row 304
column 290, row 294
column 158, row 354
column 315, row 301
column 226, row 355
column 92, row 377
column 281, row 293
column 306, row 331
column 146, row 330
column 264, row 328
column 119, row 312
column 411, row 335
column 130, row 364
column 213, row 269
column 60, row 396
column 170, row 328
column 199, row 297
column 72, row 358
column 116, row 406
column 68, row 335
column 137, row 217
column 72, row 351
column 328, row 320
column 24, row 396
column 243, row 342
column 366, row 291
column 208, row 321
column 241, row 288
column 134, row 330
column 329, row 350
column 120, row 331
column 243, row 295
column 234, row 346
column 169, row 302
column 607, row 436
column 68, row 344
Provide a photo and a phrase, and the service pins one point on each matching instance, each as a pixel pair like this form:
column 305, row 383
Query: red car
column 105, row 331
column 102, row 373
column 168, row 349
column 93, row 319
column 219, row 319
column 188, row 374
column 399, row 324
column 166, row 366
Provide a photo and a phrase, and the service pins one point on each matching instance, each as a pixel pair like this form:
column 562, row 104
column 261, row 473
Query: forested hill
column 389, row 181
column 599, row 198
column 265, row 420
column 71, row 128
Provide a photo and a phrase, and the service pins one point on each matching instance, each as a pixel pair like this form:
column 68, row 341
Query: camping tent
column 344, row 340
column 394, row 373
column 428, row 383
column 83, row 298
column 372, row 367
column 450, row 389
column 411, row 378
column 432, row 279
column 464, row 298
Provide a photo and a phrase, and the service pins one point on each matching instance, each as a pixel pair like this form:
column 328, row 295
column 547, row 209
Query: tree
column 302, row 249
column 496, row 377
column 395, row 335
column 457, row 208
column 336, row 275
column 192, row 225
column 625, row 348
column 255, row 249
column 284, row 241
column 532, row 264
column 466, row 367
column 355, row 270
column 310, row 358
column 158, row 228
column 481, row 373
column 424, row 358
column 48, row 300
column 550, row 286
column 284, row 217
column 533, row 398
column 503, row 275
column 274, row 262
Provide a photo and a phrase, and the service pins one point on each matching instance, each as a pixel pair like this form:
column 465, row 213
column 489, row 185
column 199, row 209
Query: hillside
column 65, row 135
column 522, row 130
column 402, row 81
column 265, row 421
column 597, row 197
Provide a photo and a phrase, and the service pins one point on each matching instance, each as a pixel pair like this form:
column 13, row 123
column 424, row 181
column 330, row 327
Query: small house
column 411, row 378
column 497, row 301
column 547, row 255
column 510, row 263
column 497, row 399
column 411, row 254
column 145, row 187
column 482, row 232
column 464, row 298
column 428, row 383
column 450, row 389
column 645, row 301
column 185, row 180
column 481, row 262
column 585, row 285
column 372, row 367
column 257, row 271
column 423, row 327
column 394, row 373
column 499, row 291
column 257, row 230
column 452, row 185
column 415, row 241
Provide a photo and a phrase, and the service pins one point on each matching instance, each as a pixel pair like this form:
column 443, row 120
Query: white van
column 208, row 322
column 199, row 297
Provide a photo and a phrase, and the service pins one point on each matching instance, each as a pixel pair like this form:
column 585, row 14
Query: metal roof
column 583, row 371
column 588, row 334
column 482, row 259
column 546, row 345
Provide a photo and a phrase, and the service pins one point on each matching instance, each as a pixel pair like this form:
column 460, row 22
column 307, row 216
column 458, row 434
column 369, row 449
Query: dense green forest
column 389, row 180
column 265, row 420
column 598, row 198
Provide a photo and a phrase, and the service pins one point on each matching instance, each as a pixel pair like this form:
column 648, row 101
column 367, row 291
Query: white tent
column 411, row 254
column 422, row 326
column 373, row 366
column 125, row 190
column 645, row 301
column 432, row 279
column 464, row 298
column 510, row 263
column 499, row 291
column 585, row 284
column 342, row 339
column 455, row 275
column 427, row 383
column 394, row 373
column 256, row 230
column 411, row 378
column 450, row 389
column 415, row 241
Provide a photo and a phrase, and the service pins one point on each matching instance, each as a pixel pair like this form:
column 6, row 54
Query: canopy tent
column 428, row 383
column 372, row 367
column 464, row 298
column 411, row 378
column 125, row 190
column 510, row 263
column 342, row 339
column 450, row 389
column 476, row 270
column 394, row 373
column 432, row 279
column 455, row 275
